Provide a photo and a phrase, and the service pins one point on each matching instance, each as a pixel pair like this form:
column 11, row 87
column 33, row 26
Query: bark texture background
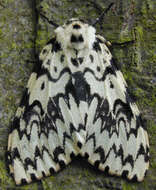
column 131, row 28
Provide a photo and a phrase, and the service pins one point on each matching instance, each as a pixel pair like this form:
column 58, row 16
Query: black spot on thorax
column 76, row 39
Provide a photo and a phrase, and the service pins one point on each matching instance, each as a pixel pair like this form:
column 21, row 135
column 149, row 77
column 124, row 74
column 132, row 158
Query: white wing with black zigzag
column 44, row 134
column 116, row 138
column 76, row 102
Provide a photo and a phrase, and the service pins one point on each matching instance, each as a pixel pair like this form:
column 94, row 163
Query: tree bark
column 129, row 25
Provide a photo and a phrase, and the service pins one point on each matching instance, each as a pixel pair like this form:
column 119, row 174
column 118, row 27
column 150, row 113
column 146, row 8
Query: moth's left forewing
column 117, row 140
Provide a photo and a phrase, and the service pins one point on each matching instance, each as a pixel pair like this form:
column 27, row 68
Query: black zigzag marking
column 37, row 154
column 103, row 112
column 29, row 112
column 73, row 129
column 118, row 153
column 109, row 70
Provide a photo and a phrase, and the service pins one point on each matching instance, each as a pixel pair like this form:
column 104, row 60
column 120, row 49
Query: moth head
column 76, row 34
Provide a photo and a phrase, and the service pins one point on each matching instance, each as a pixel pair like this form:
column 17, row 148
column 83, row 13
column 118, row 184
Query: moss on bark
column 129, row 25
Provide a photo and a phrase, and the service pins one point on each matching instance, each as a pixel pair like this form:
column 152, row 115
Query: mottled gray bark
column 130, row 26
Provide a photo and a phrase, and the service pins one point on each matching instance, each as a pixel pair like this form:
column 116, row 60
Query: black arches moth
column 76, row 102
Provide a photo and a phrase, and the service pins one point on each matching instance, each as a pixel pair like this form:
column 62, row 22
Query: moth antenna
column 103, row 14
column 49, row 21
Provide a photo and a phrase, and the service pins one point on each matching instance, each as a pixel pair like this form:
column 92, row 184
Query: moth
column 77, row 103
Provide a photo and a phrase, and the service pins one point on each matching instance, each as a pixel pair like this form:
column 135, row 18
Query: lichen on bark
column 129, row 26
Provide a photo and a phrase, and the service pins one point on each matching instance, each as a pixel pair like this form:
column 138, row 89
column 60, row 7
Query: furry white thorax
column 65, row 32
